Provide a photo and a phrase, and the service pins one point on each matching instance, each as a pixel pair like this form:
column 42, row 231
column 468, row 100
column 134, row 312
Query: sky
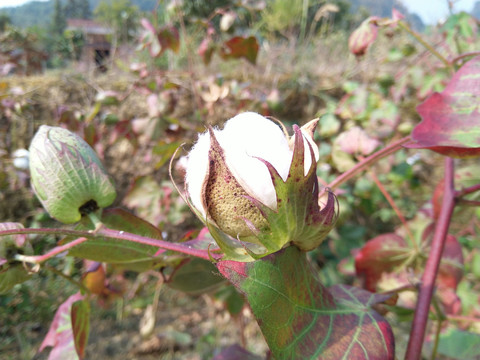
column 429, row 10
column 433, row 10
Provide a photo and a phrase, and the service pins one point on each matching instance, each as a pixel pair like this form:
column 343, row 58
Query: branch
column 109, row 233
column 427, row 284
column 466, row 191
column 365, row 163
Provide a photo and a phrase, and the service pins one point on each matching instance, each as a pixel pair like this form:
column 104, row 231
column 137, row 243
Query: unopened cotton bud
column 67, row 176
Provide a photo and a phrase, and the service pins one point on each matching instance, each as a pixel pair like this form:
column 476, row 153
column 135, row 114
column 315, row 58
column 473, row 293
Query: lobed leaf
column 301, row 319
column 380, row 254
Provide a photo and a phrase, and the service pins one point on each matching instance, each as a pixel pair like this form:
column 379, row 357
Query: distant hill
column 383, row 8
column 39, row 13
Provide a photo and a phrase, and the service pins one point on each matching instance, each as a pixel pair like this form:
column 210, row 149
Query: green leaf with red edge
column 169, row 39
column 121, row 253
column 301, row 319
column 380, row 254
column 157, row 41
column 80, row 325
column 451, row 119
column 239, row 46
column 68, row 333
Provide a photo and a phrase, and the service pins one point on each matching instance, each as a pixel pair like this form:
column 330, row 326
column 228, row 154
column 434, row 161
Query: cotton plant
column 256, row 188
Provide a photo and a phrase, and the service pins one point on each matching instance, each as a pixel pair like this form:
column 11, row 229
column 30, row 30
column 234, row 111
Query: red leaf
column 238, row 47
column 68, row 333
column 378, row 255
column 451, row 119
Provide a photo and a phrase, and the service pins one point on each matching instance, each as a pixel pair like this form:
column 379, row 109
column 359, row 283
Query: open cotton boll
column 247, row 137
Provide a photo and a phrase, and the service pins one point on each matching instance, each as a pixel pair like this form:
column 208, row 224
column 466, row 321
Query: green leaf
column 195, row 276
column 122, row 253
column 301, row 319
column 11, row 271
column 458, row 344
column 12, row 275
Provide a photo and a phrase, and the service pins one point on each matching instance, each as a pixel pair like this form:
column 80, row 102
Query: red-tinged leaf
column 236, row 352
column 380, row 254
column 450, row 271
column 80, row 325
column 206, row 49
column 157, row 42
column 356, row 141
column 169, row 39
column 301, row 319
column 437, row 198
column 68, row 333
column 94, row 277
column 451, row 119
column 238, row 47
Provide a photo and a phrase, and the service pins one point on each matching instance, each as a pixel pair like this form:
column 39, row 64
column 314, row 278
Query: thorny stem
column 417, row 333
column 109, row 233
column 365, row 163
column 426, row 45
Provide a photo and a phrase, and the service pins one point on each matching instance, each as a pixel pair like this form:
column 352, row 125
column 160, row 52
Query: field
column 147, row 109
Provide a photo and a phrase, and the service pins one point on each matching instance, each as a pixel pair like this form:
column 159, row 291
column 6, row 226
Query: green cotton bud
column 67, row 176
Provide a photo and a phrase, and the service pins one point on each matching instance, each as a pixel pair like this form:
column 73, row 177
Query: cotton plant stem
column 368, row 161
column 468, row 190
column 426, row 45
column 395, row 209
column 417, row 333
column 109, row 233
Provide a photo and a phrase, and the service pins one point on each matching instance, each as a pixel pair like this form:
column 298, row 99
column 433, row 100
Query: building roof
column 88, row 27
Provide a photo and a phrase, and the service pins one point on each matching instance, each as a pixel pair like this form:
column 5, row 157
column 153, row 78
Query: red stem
column 114, row 234
column 468, row 190
column 417, row 334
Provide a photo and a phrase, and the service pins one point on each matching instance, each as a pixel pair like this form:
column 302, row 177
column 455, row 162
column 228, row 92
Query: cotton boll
column 244, row 139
